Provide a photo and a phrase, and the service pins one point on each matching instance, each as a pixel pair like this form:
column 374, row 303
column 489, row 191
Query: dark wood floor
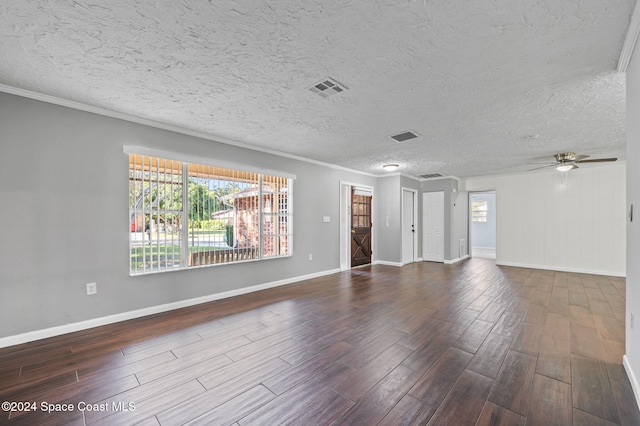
column 463, row 344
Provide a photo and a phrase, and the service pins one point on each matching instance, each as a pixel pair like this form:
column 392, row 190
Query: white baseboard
column 563, row 269
column 632, row 378
column 398, row 264
column 456, row 260
column 384, row 262
column 110, row 319
column 416, row 260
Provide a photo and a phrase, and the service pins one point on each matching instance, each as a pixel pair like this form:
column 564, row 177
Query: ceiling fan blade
column 581, row 157
column 543, row 167
column 547, row 163
column 597, row 160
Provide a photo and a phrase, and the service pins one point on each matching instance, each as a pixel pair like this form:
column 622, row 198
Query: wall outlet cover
column 92, row 288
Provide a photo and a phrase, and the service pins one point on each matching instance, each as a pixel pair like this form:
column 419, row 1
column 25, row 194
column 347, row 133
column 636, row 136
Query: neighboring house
column 246, row 206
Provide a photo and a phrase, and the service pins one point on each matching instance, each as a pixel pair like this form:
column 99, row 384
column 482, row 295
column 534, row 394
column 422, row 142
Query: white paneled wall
column 573, row 222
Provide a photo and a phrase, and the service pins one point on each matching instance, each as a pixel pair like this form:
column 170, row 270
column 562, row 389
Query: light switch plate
column 92, row 288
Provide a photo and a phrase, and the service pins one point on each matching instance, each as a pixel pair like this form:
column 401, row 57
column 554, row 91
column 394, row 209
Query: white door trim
column 345, row 222
column 414, row 197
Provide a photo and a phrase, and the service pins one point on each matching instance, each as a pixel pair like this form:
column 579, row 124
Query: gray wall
column 64, row 218
column 460, row 226
column 388, row 216
column 387, row 220
column 633, row 228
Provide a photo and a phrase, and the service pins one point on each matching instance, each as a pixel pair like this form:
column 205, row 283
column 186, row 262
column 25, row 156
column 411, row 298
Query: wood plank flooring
column 425, row 344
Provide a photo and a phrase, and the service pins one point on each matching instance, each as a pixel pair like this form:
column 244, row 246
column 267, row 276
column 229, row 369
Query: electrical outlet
column 92, row 288
column 310, row 256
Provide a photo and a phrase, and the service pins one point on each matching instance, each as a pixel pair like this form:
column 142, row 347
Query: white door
column 408, row 227
column 433, row 226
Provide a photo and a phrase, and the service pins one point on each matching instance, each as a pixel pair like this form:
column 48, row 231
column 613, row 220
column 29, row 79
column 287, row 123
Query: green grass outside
column 191, row 232
column 162, row 253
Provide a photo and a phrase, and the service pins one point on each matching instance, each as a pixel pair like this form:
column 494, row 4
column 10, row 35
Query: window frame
column 479, row 211
column 283, row 219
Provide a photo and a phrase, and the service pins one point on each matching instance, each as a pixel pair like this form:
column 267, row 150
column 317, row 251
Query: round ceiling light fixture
column 390, row 167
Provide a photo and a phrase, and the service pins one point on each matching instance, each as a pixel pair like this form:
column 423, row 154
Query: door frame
column 469, row 216
column 414, row 193
column 345, row 222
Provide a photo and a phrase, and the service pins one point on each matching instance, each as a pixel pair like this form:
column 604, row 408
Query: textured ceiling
column 488, row 84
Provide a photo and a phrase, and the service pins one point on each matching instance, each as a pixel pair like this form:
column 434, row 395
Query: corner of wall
column 632, row 378
column 631, row 359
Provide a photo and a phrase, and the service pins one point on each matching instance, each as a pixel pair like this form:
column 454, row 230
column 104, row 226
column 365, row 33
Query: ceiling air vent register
column 404, row 136
column 431, row 176
column 327, row 87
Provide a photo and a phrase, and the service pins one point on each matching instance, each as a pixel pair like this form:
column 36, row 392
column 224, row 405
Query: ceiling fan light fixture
column 565, row 167
column 390, row 167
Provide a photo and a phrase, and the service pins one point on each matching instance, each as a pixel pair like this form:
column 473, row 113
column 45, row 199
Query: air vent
column 327, row 87
column 404, row 136
column 431, row 176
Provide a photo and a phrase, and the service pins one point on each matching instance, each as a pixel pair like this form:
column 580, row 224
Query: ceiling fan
column 566, row 161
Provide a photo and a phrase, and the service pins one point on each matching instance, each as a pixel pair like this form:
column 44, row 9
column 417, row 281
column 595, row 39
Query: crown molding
column 164, row 126
column 633, row 32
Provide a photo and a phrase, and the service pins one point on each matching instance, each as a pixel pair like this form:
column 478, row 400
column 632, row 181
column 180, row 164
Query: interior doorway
column 360, row 227
column 483, row 224
column 356, row 219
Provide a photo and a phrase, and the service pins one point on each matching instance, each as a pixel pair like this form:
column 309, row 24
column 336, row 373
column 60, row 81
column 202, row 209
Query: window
column 360, row 210
column 478, row 211
column 186, row 214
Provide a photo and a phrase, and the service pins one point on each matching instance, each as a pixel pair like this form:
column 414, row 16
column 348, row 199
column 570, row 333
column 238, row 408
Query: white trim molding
column 632, row 379
column 399, row 264
column 563, row 269
column 633, row 32
column 456, row 260
column 387, row 263
column 124, row 316
column 345, row 220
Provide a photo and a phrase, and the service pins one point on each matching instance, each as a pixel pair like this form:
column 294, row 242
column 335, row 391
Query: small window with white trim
column 185, row 214
column 479, row 211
